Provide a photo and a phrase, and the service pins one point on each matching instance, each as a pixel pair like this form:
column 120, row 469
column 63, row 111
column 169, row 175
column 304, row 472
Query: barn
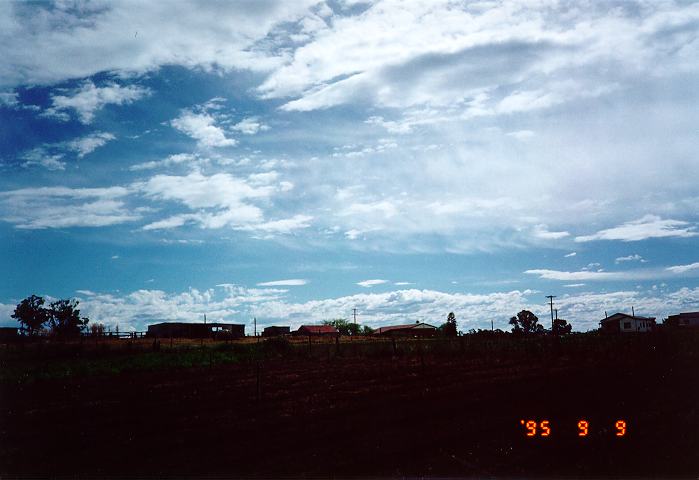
column 623, row 323
column 196, row 330
column 328, row 330
column 409, row 330
column 276, row 331
column 684, row 320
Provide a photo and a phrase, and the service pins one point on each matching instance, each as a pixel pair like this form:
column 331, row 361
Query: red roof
column 319, row 329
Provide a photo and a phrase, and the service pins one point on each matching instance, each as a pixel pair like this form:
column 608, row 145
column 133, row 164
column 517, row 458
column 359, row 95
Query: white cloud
column 684, row 268
column 630, row 258
column 40, row 157
column 541, row 231
column 590, row 275
column 403, row 283
column 62, row 207
column 90, row 143
column 521, row 134
column 649, row 226
column 250, row 126
column 89, row 98
column 284, row 283
column 175, row 159
column 371, row 283
column 220, row 200
column 574, row 285
column 46, row 44
column 571, row 254
column 9, row 99
column 202, row 127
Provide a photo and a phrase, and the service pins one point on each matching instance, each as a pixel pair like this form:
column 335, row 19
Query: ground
column 341, row 412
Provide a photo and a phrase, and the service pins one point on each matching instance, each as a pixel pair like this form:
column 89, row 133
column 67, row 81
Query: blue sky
column 291, row 161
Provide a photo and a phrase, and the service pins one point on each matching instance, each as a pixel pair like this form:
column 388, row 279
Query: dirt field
column 455, row 415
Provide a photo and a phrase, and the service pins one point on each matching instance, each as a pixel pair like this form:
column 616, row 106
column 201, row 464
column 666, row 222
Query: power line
column 551, row 297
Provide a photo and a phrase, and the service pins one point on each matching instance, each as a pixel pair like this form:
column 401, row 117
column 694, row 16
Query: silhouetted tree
column 64, row 318
column 31, row 314
column 450, row 326
column 561, row 327
column 526, row 323
column 367, row 330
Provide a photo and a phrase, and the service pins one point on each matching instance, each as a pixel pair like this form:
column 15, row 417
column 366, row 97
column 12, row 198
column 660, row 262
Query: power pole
column 492, row 329
column 254, row 319
column 354, row 312
column 551, row 297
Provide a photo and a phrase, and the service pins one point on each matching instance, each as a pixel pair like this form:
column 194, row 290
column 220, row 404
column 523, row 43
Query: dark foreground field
column 414, row 411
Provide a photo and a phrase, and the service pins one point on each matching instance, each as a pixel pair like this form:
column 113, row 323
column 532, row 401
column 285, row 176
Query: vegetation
column 449, row 329
column 31, row 314
column 561, row 327
column 62, row 316
column 345, row 327
column 526, row 323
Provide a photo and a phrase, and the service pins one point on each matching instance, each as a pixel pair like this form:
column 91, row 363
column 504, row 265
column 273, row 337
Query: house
column 409, row 330
column 688, row 319
column 276, row 331
column 196, row 330
column 621, row 322
column 316, row 330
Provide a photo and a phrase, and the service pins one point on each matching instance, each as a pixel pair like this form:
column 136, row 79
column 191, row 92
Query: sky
column 292, row 161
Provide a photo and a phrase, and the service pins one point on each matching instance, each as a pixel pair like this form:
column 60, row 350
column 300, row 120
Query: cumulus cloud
column 88, row 99
column 63, row 207
column 630, row 258
column 250, row 126
column 202, row 127
column 648, row 226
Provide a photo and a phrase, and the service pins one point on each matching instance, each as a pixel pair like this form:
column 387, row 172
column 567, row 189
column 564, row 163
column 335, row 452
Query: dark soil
column 439, row 416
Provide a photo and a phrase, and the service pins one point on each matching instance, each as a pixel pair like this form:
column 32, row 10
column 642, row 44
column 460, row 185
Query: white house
column 621, row 322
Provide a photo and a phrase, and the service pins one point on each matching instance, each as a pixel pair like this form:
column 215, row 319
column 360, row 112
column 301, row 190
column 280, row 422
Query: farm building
column 196, row 330
column 688, row 319
column 621, row 322
column 316, row 330
column 410, row 330
column 276, row 331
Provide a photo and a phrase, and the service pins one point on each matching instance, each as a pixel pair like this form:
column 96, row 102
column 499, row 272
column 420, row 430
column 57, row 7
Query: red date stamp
column 544, row 428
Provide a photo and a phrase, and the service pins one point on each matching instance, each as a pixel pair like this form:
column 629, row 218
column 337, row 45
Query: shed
column 317, row 330
column 409, row 330
column 196, row 330
column 275, row 331
column 623, row 323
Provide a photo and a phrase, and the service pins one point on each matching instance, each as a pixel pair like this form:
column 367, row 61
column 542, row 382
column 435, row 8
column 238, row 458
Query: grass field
column 427, row 407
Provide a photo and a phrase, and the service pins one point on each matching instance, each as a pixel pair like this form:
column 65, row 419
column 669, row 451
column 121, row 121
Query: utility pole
column 254, row 319
column 492, row 329
column 632, row 312
column 551, row 297
column 354, row 312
